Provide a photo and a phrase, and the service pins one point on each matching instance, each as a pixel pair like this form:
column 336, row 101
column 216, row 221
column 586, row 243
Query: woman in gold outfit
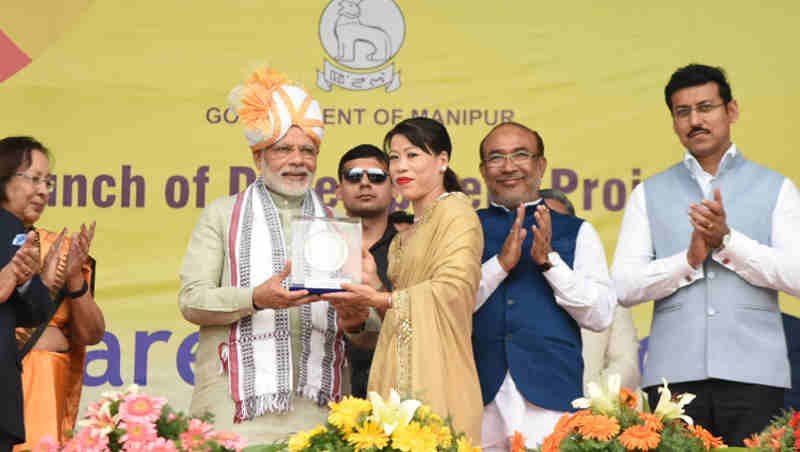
column 52, row 371
column 424, row 349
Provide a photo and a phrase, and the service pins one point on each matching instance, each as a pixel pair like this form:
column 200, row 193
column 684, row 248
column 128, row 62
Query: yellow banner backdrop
column 131, row 98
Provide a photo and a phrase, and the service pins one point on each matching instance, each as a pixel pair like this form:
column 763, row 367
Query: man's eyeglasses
column 36, row 180
column 702, row 109
column 375, row 175
column 496, row 159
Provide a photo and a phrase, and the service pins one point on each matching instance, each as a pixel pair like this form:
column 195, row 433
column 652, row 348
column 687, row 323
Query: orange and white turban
column 268, row 105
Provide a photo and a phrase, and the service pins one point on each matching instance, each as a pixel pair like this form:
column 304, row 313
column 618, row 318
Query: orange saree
column 52, row 381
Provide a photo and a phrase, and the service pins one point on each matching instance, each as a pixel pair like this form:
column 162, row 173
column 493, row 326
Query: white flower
column 392, row 413
column 603, row 399
column 673, row 410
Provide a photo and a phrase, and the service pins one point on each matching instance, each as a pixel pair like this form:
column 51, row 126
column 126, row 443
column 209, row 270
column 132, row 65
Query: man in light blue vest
column 544, row 276
column 712, row 240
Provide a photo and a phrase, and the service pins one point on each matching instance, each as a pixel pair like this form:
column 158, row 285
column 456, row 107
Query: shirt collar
column 527, row 204
column 694, row 166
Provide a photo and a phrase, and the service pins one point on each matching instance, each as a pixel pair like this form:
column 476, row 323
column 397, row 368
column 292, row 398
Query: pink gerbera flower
column 161, row 445
column 46, row 444
column 89, row 441
column 137, row 434
column 230, row 440
column 196, row 435
column 141, row 408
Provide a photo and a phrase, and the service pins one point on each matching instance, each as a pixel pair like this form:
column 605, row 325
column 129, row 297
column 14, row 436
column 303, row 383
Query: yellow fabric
column 52, row 381
column 425, row 349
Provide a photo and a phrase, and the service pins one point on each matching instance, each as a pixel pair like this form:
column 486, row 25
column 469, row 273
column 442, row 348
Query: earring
column 443, row 168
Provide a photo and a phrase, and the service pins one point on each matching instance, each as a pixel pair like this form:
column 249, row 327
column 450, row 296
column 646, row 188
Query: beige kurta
column 203, row 301
column 425, row 348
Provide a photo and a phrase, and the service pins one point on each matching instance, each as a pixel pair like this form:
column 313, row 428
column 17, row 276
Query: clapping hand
column 27, row 260
column 53, row 269
column 709, row 219
column 512, row 247
column 542, row 234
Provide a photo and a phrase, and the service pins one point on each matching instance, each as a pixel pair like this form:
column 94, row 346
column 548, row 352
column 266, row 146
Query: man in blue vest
column 544, row 277
column 712, row 240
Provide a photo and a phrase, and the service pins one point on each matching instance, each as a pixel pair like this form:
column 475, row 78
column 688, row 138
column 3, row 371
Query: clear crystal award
column 326, row 252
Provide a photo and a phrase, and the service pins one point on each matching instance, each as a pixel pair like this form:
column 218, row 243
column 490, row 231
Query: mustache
column 510, row 176
column 696, row 130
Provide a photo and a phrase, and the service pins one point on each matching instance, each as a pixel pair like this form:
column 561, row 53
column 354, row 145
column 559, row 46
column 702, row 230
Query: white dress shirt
column 639, row 277
column 586, row 292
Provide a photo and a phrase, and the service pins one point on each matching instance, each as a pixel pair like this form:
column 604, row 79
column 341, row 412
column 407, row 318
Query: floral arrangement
column 376, row 424
column 611, row 421
column 781, row 435
column 131, row 421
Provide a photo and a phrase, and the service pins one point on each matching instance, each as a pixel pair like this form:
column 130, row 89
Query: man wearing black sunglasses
column 366, row 191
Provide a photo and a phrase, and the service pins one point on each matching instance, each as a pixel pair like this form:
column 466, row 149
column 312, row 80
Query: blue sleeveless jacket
column 520, row 328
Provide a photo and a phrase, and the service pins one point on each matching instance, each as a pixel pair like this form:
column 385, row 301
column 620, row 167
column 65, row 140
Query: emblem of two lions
column 349, row 30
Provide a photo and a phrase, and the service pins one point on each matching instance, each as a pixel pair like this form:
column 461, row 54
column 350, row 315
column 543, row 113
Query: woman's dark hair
column 430, row 136
column 15, row 152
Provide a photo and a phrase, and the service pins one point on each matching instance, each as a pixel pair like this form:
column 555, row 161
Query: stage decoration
column 133, row 421
column 781, row 435
column 385, row 425
column 610, row 420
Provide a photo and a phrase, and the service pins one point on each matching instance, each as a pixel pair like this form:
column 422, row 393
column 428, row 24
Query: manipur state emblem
column 361, row 37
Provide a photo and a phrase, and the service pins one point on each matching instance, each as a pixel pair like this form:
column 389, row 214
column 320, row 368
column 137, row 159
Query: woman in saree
column 424, row 348
column 52, row 371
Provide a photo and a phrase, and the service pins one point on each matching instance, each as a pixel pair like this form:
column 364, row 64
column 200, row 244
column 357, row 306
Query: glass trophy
column 326, row 252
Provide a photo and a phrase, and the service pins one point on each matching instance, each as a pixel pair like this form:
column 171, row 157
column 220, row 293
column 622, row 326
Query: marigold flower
column 370, row 434
column 414, row 438
column 639, row 437
column 599, row 427
column 709, row 441
column 652, row 421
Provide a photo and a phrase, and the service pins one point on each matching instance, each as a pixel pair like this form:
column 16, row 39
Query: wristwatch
column 548, row 264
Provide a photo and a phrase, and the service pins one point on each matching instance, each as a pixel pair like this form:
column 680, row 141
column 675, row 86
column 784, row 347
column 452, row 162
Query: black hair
column 539, row 142
column 431, row 136
column 696, row 75
column 363, row 151
column 15, row 152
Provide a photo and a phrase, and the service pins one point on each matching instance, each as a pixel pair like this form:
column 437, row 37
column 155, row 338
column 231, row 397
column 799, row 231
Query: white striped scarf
column 258, row 355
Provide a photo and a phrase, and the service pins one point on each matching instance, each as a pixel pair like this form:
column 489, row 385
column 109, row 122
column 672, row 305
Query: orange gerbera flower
column 752, row 442
column 639, row 437
column 552, row 442
column 652, row 421
column 628, row 397
column 709, row 441
column 599, row 427
column 577, row 419
column 518, row 443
